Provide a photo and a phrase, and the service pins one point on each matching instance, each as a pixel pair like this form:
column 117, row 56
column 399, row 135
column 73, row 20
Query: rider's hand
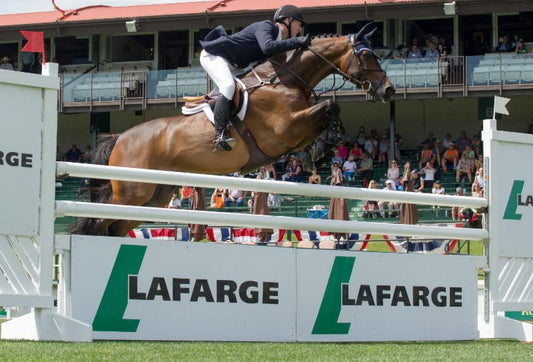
column 304, row 41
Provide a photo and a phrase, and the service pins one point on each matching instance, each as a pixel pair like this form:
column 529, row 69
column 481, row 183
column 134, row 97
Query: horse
column 279, row 120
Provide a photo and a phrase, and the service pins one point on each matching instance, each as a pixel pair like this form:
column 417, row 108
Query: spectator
column 437, row 190
column 370, row 146
column 443, row 53
column 408, row 212
column 343, row 150
column 418, row 182
column 450, row 158
column 366, row 169
column 28, row 61
column 426, row 155
column 236, row 197
column 371, row 206
column 479, row 179
column 476, row 190
column 414, row 52
column 445, row 45
column 437, row 151
column 478, row 163
column 504, row 45
column 399, row 52
column 348, row 168
column 356, row 151
column 174, row 202
column 463, row 168
column 336, row 158
column 462, row 142
column 447, row 141
column 5, row 63
column 361, row 137
column 393, row 173
column 218, row 198
column 186, row 195
column 456, row 209
column 431, row 51
column 477, row 146
column 470, row 156
column 521, row 48
column 315, row 178
column 430, row 140
column 274, row 200
column 295, row 171
column 429, row 172
column 88, row 155
column 389, row 186
column 383, row 149
column 336, row 175
column 74, row 154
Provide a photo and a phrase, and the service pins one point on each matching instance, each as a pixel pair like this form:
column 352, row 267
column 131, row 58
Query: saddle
column 206, row 104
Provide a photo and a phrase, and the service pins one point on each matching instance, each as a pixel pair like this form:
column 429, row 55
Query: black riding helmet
column 288, row 11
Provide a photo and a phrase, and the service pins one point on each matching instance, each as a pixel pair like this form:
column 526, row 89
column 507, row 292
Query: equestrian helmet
column 288, row 11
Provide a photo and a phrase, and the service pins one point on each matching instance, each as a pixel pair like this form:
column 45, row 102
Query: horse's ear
column 364, row 30
column 369, row 35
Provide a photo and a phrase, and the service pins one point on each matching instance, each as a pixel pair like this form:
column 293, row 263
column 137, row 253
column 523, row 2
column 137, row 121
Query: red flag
column 35, row 42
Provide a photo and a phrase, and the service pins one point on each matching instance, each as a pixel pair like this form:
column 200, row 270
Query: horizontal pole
column 280, row 187
column 213, row 218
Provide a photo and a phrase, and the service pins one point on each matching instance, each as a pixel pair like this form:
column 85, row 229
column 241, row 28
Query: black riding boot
column 222, row 116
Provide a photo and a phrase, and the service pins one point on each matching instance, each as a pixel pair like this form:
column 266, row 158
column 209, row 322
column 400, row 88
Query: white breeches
column 219, row 69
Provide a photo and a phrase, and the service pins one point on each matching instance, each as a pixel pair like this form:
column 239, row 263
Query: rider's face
column 296, row 27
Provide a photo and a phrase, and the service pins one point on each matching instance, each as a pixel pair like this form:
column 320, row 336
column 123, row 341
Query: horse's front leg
column 314, row 120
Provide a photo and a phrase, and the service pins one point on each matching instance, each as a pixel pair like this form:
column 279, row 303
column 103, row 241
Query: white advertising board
column 168, row 290
column 386, row 297
column 20, row 159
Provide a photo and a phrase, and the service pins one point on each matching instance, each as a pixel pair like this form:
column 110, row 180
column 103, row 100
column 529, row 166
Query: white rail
column 201, row 180
column 142, row 213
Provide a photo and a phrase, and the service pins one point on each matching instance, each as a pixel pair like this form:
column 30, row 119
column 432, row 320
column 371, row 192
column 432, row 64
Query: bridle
column 357, row 49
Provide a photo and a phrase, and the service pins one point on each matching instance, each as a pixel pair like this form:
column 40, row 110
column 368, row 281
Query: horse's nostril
column 390, row 91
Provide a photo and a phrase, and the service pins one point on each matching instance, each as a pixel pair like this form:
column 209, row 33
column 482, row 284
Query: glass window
column 321, row 28
column 199, row 35
column 72, row 50
column 126, row 48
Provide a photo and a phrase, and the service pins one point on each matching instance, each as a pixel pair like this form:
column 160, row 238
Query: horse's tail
column 100, row 190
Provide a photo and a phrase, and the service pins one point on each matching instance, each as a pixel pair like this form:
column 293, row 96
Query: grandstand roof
column 102, row 12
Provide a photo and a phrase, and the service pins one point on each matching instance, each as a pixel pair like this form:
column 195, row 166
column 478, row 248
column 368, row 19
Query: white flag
column 499, row 105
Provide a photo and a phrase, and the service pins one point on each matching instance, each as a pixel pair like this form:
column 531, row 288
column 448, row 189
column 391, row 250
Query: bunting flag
column 218, row 234
column 35, row 42
column 180, row 234
column 400, row 244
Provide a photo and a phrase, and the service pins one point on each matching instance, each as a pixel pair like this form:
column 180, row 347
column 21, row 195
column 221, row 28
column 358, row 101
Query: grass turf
column 165, row 351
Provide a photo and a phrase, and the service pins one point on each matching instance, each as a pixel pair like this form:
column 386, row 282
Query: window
column 321, row 28
column 72, row 50
column 127, row 48
column 199, row 35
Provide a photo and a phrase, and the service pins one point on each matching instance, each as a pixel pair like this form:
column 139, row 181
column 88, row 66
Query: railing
column 141, row 213
column 408, row 75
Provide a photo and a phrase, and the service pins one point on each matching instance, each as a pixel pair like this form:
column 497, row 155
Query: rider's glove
column 304, row 41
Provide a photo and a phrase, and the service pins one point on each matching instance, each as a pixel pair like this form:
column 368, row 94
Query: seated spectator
column 390, row 205
column 343, row 150
column 186, row 195
column 393, row 173
column 336, row 175
column 399, row 52
column 348, row 168
column 74, row 154
column 174, row 202
column 456, row 209
column 437, row 151
column 6, row 64
column 361, row 137
column 477, row 191
column 218, row 198
column 450, row 158
column 447, row 141
column 356, row 151
column 431, row 51
column 371, row 206
column 426, row 155
column 274, row 200
column 366, row 169
column 430, row 140
column 315, row 178
column 463, row 168
column 479, row 179
column 414, row 52
column 462, row 142
column 371, row 146
column 445, row 45
column 383, row 149
column 418, row 182
column 438, row 189
column 236, row 197
column 478, row 163
column 470, row 156
column 504, row 45
column 336, row 158
column 520, row 47
column 429, row 172
column 88, row 155
column 296, row 171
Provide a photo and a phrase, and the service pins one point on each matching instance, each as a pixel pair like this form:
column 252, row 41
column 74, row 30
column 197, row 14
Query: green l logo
column 512, row 203
column 108, row 318
column 327, row 319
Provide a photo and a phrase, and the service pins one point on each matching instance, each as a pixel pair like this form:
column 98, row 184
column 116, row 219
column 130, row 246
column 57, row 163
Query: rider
column 223, row 53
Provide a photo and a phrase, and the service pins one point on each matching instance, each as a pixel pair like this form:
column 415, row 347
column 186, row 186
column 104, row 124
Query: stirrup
column 223, row 144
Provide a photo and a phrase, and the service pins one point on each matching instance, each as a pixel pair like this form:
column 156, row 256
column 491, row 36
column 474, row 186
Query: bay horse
column 279, row 119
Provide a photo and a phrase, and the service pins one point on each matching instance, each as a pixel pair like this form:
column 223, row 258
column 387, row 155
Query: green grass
column 169, row 351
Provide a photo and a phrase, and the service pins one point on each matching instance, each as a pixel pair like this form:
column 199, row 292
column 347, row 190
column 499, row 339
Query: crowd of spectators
column 431, row 48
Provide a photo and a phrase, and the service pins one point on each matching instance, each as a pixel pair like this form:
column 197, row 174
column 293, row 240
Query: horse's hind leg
column 160, row 196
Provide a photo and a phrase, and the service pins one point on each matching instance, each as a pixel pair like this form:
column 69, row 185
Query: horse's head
column 363, row 67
